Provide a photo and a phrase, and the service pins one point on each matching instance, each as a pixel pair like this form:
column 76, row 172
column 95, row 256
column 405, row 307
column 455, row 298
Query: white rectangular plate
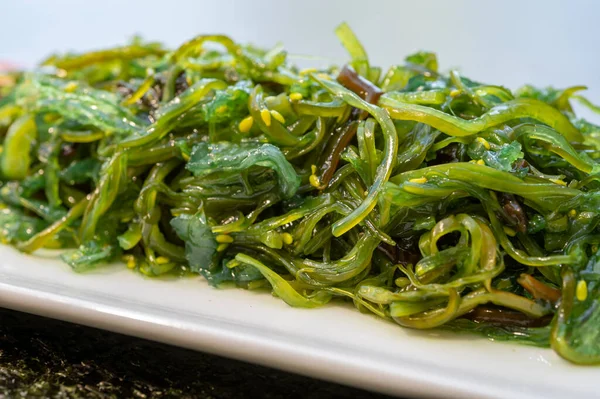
column 336, row 342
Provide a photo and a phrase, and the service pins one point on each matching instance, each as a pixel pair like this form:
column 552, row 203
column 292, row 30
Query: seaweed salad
column 426, row 198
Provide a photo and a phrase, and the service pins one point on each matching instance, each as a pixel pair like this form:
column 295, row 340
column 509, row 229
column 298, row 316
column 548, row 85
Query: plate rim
column 250, row 343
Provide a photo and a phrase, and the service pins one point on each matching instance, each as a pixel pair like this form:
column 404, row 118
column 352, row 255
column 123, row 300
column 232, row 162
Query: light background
column 507, row 42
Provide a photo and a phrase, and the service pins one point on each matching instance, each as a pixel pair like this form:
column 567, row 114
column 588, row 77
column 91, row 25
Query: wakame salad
column 426, row 198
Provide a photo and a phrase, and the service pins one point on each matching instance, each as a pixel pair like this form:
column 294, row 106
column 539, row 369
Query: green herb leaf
column 200, row 244
column 235, row 158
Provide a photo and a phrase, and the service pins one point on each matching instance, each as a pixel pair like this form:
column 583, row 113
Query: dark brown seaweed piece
column 344, row 134
column 505, row 317
column 513, row 211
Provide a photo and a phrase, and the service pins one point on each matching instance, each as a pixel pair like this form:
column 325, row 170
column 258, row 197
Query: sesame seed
column 222, row 247
column 224, row 239
column 161, row 260
column 129, row 261
column 420, row 180
column 314, row 181
column 277, row 116
column 287, row 238
column 246, row 124
column 572, row 213
column 70, row 87
column 483, row 142
column 480, row 162
column 402, row 282
column 266, row 116
column 295, row 96
column 581, row 291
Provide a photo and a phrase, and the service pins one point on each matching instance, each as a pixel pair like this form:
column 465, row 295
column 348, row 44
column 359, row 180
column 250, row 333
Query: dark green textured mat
column 41, row 357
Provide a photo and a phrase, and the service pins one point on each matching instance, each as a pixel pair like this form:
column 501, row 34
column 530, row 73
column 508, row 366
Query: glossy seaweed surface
column 424, row 197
